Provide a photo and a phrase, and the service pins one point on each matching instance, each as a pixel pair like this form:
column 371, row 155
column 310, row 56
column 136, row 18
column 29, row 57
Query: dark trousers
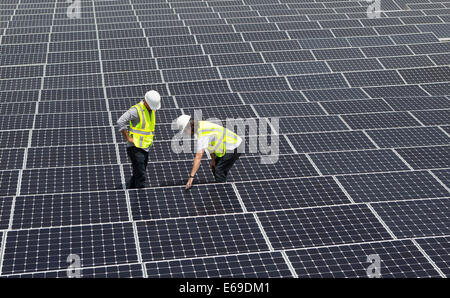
column 224, row 164
column 139, row 161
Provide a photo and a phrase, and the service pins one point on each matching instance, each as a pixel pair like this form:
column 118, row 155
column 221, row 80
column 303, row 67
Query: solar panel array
column 364, row 115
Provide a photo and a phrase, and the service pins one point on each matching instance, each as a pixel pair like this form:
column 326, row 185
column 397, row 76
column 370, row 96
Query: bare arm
column 127, row 136
column 213, row 161
column 195, row 166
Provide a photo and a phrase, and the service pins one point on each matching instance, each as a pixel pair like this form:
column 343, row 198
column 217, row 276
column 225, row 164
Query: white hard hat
column 153, row 99
column 182, row 122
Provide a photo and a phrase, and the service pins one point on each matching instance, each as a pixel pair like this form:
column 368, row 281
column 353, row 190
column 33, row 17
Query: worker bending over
column 222, row 144
column 141, row 121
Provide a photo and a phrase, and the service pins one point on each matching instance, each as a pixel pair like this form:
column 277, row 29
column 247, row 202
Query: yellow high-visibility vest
column 142, row 133
column 222, row 136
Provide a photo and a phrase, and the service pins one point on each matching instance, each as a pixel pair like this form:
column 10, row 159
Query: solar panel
column 396, row 91
column 159, row 203
column 323, row 142
column 427, row 157
column 105, row 244
column 290, row 109
column 373, row 78
column 311, row 227
column 437, row 249
column 38, row 211
column 123, row 271
column 436, row 89
column 254, row 265
column 5, row 211
column 358, row 166
column 399, row 259
column 311, row 124
column 395, row 185
column 415, row 218
column 408, row 137
column 192, row 237
column 357, row 162
column 358, row 106
column 290, row 193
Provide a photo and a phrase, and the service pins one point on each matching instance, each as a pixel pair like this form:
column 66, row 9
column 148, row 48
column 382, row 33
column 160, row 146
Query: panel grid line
column 375, row 213
column 428, row 258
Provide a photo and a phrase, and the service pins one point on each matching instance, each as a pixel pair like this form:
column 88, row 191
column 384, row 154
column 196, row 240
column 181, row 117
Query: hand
column 212, row 165
column 189, row 183
column 130, row 139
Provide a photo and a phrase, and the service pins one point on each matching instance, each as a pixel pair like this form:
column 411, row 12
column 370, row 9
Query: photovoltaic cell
column 357, row 162
column 290, row 193
column 301, row 67
column 406, row 61
column 433, row 117
column 11, row 159
column 121, row 271
column 204, row 100
column 415, row 218
column 418, row 103
column 96, row 245
column 257, row 70
column 224, row 48
column 334, row 94
column 396, row 91
column 427, row 157
column 426, row 75
column 289, row 109
column 380, row 120
column 56, row 210
column 408, row 137
column 319, row 81
column 438, row 250
column 299, row 228
column 311, row 124
column 356, row 106
column 8, row 185
column 157, row 203
column 373, row 78
column 272, row 97
column 286, row 166
column 56, row 180
column 222, row 112
column 193, row 237
column 354, row 64
column 5, row 212
column 285, row 56
column 255, row 265
column 203, row 87
column 400, row 258
column 342, row 53
column 392, row 186
column 437, row 89
column 333, row 141
column 259, row 84
column 443, row 175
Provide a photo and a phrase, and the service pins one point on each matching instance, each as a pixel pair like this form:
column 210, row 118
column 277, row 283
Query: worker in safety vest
column 138, row 126
column 221, row 143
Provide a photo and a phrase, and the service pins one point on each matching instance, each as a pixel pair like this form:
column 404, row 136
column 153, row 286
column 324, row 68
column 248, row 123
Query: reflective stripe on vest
column 222, row 137
column 142, row 133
